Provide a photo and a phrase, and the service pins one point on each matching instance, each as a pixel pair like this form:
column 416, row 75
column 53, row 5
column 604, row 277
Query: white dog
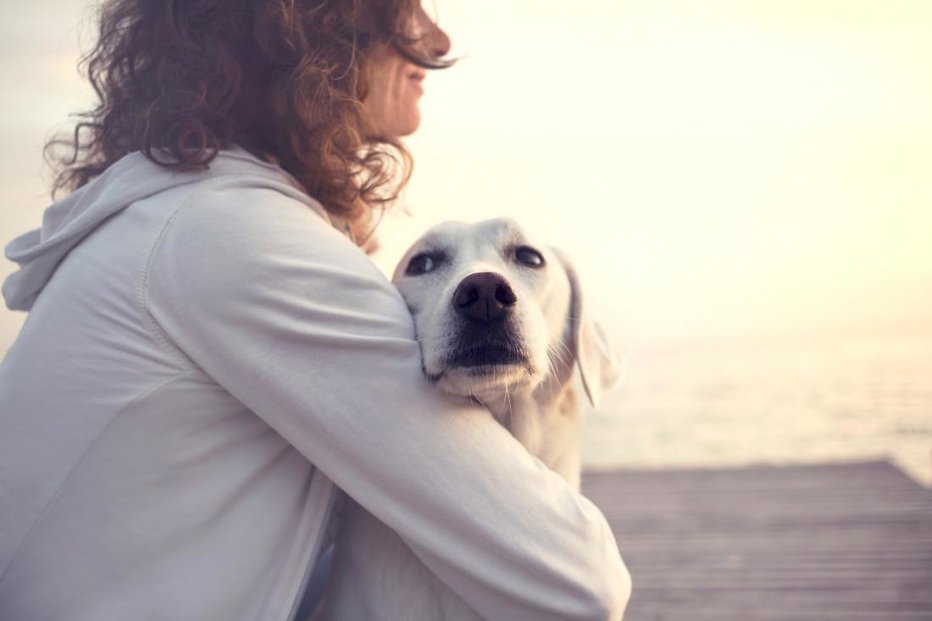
column 499, row 319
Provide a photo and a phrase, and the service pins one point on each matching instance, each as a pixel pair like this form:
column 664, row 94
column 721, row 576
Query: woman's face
column 396, row 85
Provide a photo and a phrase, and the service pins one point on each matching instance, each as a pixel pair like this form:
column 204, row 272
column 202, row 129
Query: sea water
column 792, row 400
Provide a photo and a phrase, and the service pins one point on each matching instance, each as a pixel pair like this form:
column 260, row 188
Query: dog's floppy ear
column 599, row 364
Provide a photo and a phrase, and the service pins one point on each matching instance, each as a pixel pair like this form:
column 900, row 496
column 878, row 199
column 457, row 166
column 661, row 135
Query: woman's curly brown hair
column 179, row 80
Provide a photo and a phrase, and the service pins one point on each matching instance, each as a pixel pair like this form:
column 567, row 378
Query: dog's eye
column 525, row 255
column 421, row 264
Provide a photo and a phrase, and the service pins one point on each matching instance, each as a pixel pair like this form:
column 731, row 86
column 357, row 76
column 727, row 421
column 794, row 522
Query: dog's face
column 494, row 309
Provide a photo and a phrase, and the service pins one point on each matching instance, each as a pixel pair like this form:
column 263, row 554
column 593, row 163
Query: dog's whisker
column 558, row 355
column 562, row 347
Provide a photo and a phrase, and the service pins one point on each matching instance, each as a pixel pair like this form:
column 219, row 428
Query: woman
column 207, row 348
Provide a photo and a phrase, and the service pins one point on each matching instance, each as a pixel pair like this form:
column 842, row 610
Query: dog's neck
column 546, row 420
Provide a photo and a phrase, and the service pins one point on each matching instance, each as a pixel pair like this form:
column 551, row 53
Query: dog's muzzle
column 485, row 303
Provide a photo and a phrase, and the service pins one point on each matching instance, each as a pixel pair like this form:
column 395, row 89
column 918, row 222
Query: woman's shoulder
column 250, row 205
column 248, row 221
column 241, row 186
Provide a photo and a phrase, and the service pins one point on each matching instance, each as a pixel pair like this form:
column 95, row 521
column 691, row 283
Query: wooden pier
column 815, row 543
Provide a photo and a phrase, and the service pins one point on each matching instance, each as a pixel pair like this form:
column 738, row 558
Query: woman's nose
column 432, row 37
column 438, row 42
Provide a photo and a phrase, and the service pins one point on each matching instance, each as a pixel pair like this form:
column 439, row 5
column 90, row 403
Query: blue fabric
column 317, row 585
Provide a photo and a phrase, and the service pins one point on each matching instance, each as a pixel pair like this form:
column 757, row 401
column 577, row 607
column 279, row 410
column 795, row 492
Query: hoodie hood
column 132, row 178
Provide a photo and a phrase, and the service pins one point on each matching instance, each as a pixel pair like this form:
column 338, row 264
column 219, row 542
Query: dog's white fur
column 376, row 576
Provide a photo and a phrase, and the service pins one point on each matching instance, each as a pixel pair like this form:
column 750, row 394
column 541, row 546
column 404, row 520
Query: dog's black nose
column 484, row 297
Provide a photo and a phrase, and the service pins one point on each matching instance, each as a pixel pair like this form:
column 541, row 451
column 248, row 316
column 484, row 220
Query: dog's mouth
column 492, row 365
column 487, row 355
column 487, row 346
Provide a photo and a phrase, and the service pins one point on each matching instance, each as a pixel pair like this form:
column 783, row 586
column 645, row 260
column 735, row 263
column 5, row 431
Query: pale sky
column 717, row 168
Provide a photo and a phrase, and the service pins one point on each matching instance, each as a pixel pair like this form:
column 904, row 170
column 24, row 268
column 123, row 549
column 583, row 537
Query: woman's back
column 122, row 459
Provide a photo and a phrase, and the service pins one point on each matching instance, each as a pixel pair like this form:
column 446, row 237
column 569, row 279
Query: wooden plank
column 832, row 541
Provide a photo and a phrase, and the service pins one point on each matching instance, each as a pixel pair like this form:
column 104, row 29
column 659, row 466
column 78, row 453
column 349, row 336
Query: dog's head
column 496, row 311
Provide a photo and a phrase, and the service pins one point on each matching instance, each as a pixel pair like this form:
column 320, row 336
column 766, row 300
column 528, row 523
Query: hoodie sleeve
column 299, row 325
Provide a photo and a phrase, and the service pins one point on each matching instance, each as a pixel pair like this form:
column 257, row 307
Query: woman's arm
column 298, row 324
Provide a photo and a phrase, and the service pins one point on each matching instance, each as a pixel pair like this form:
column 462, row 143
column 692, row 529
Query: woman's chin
column 406, row 125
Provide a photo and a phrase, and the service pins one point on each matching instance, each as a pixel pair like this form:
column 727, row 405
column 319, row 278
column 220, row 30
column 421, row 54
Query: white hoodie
column 204, row 353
